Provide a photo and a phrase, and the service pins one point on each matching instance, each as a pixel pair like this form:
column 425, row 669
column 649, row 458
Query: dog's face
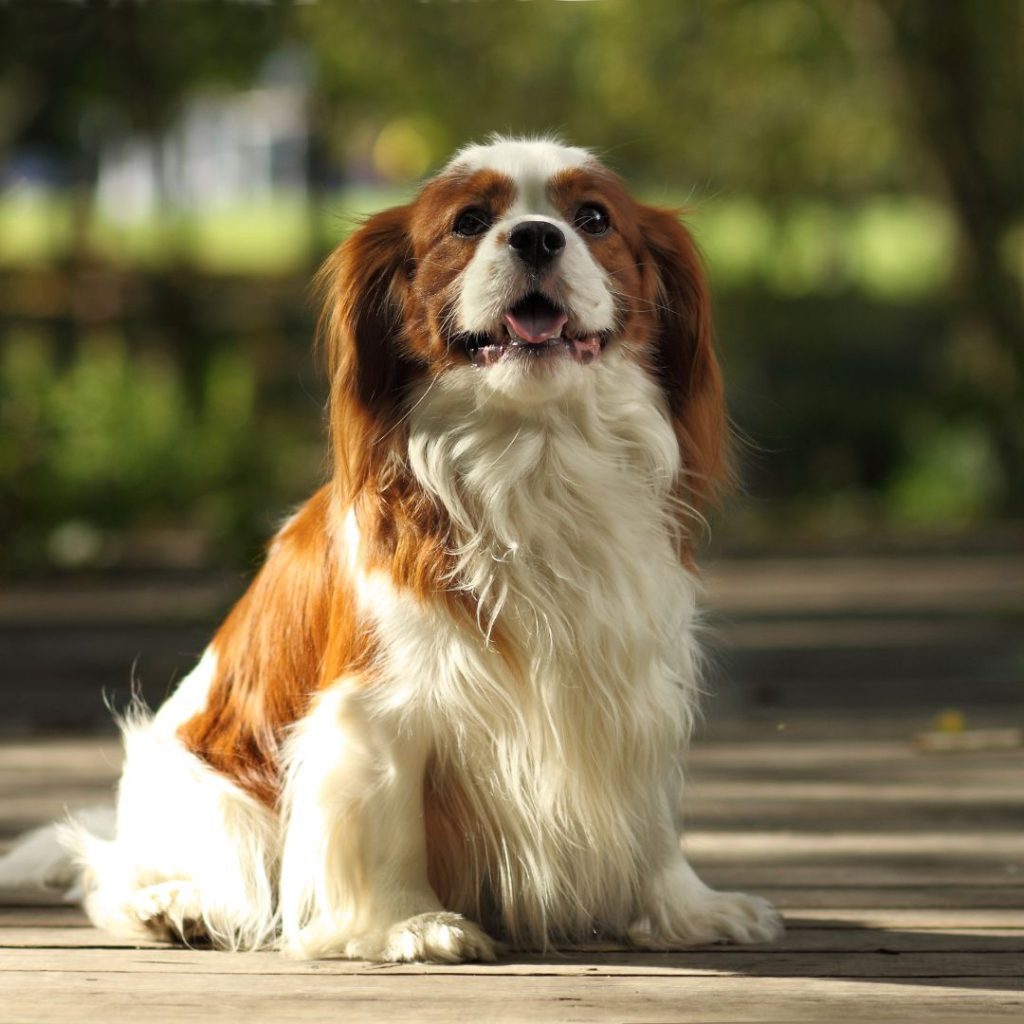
column 523, row 272
column 513, row 274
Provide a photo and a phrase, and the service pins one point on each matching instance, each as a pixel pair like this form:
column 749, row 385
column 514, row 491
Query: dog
column 450, row 714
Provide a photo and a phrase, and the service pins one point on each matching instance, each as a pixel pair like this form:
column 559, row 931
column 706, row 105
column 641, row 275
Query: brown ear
column 684, row 356
column 362, row 285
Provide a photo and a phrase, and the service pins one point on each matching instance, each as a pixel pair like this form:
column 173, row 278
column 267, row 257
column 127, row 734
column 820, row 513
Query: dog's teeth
column 512, row 336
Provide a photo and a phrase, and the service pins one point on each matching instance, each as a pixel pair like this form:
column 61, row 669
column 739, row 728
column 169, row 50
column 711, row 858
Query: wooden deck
column 901, row 875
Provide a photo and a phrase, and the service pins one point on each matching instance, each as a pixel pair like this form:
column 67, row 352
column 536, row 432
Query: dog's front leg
column 682, row 911
column 354, row 860
column 679, row 910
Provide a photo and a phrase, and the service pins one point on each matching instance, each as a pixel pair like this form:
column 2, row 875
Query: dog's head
column 514, row 273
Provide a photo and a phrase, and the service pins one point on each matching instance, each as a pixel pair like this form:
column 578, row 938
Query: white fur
column 192, row 854
column 573, row 770
column 189, row 698
column 560, row 716
column 537, row 159
column 38, row 860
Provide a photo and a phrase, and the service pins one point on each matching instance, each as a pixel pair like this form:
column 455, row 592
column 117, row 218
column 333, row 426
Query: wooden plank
column 816, row 633
column 895, row 722
column 938, row 787
column 731, row 822
column 52, row 939
column 118, row 603
column 870, row 875
column 71, row 916
column 26, row 810
column 871, row 585
column 796, row 940
column 765, row 962
column 819, row 761
column 60, row 756
column 767, row 816
column 875, row 843
column 782, row 750
column 757, row 745
column 30, row 898
column 926, row 897
column 937, row 921
column 801, row 894
column 31, row 996
column 1001, row 919
column 65, row 915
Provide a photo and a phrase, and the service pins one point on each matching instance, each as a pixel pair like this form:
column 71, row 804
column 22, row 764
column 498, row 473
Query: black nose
column 536, row 242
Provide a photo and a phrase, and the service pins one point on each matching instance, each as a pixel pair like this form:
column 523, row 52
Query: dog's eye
column 473, row 221
column 592, row 218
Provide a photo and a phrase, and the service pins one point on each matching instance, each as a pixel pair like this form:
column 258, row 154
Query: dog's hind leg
column 191, row 855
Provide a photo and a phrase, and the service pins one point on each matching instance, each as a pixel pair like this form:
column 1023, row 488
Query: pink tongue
column 535, row 324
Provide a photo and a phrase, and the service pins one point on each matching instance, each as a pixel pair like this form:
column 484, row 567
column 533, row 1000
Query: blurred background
column 171, row 174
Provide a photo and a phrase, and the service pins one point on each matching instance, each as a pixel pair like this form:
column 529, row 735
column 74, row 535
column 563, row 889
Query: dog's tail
column 51, row 857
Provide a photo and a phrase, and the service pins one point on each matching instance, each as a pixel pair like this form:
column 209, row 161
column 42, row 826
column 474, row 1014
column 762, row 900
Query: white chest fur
column 550, row 755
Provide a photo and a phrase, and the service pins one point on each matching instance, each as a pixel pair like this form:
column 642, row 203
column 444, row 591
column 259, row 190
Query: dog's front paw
column 435, row 937
column 712, row 917
column 168, row 910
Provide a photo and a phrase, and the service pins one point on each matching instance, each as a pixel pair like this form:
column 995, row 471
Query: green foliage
column 951, row 476
column 68, row 69
column 109, row 440
column 736, row 95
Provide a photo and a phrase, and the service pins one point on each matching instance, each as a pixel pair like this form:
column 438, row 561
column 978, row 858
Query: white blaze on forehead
column 521, row 159
column 530, row 163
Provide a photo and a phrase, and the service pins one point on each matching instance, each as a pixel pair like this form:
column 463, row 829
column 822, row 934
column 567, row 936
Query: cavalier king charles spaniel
column 450, row 714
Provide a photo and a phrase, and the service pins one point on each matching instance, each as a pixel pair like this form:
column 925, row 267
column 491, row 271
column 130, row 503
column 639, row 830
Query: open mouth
column 534, row 328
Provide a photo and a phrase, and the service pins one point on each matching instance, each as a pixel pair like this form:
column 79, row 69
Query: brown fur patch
column 684, row 356
column 441, row 256
column 375, row 359
column 294, row 631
